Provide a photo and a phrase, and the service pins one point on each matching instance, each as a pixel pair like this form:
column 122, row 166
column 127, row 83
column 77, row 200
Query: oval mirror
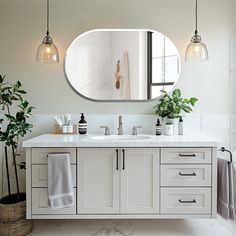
column 122, row 65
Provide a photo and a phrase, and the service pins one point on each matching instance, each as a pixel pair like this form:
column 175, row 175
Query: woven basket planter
column 17, row 228
column 13, row 217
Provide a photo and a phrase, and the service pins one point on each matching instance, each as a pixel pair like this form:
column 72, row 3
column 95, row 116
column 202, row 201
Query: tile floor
column 132, row 227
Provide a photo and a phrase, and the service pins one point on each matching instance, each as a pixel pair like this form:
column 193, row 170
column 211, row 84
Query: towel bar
column 230, row 153
column 58, row 153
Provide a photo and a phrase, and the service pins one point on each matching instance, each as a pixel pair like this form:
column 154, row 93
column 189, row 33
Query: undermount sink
column 121, row 137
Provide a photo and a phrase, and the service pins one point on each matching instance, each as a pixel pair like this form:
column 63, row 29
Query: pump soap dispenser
column 158, row 127
column 82, row 125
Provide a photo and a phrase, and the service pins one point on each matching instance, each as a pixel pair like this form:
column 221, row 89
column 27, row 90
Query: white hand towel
column 60, row 185
column 124, row 74
column 225, row 191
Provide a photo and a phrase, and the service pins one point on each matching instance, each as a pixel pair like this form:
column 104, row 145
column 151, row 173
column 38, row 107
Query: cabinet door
column 98, row 181
column 140, row 181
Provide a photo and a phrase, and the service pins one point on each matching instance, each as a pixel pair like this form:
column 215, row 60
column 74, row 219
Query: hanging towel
column 60, row 185
column 124, row 75
column 225, row 191
column 234, row 173
column 234, row 160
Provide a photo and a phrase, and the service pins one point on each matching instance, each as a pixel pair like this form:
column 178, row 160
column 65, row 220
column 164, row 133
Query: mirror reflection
column 122, row 65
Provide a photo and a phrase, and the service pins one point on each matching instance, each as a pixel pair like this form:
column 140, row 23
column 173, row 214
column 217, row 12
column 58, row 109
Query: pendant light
column 47, row 52
column 196, row 50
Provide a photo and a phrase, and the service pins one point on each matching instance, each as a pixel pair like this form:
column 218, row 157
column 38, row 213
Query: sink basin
column 121, row 137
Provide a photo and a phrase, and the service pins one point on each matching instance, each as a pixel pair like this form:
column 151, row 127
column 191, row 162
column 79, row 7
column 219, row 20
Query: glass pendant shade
column 47, row 52
column 196, row 50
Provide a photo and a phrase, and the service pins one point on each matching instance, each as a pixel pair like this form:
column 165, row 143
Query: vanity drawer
column 186, row 200
column 186, row 155
column 39, row 155
column 40, row 175
column 40, row 204
column 186, row 175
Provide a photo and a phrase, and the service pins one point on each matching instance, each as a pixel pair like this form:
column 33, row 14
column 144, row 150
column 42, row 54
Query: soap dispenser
column 181, row 126
column 82, row 125
column 158, row 127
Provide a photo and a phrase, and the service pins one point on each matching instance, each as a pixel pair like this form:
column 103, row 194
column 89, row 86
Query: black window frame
column 150, row 84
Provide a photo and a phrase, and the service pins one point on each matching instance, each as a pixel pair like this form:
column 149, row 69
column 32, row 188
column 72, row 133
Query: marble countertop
column 76, row 140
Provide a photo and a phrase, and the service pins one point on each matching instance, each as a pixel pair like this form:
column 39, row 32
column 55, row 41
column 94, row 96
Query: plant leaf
column 193, row 100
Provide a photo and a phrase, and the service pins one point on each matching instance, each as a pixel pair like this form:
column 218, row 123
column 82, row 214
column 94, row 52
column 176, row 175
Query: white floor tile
column 130, row 228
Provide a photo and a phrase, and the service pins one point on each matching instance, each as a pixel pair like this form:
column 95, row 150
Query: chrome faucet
column 120, row 127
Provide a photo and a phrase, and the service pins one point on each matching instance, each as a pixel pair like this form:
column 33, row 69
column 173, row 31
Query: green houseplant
column 171, row 106
column 14, row 126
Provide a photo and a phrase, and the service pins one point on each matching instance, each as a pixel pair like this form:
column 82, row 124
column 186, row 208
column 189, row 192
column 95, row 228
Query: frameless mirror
column 122, row 65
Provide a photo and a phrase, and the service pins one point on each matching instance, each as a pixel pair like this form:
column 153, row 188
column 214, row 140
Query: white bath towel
column 225, row 190
column 124, row 75
column 60, row 185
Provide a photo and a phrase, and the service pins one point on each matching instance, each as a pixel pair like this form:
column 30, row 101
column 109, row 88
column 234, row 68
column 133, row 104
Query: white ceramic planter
column 169, row 129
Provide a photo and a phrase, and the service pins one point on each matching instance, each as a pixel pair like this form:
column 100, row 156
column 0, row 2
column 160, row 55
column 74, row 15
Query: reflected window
column 163, row 64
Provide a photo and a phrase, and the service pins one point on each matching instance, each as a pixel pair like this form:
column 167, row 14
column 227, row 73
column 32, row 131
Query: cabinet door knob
column 191, row 174
column 191, row 201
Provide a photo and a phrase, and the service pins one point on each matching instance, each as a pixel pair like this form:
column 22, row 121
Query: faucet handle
column 107, row 130
column 135, row 130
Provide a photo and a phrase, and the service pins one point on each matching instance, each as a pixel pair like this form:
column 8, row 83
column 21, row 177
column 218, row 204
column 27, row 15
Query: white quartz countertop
column 76, row 140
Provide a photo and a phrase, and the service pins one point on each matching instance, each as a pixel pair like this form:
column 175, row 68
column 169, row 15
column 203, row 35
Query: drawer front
column 40, row 204
column 40, row 175
column 39, row 155
column 186, row 155
column 186, row 200
column 186, row 175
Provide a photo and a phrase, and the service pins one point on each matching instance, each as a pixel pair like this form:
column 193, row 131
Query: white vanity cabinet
column 161, row 177
column 139, row 181
column 37, row 198
column 98, row 181
column 186, row 181
column 118, row 181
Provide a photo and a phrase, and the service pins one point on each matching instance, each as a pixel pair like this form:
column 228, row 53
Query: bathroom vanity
column 121, row 177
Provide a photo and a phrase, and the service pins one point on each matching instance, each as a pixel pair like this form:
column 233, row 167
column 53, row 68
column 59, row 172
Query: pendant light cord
column 196, row 13
column 47, row 17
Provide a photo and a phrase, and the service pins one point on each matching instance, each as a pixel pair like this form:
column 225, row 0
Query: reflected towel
column 60, row 185
column 124, row 75
column 225, row 191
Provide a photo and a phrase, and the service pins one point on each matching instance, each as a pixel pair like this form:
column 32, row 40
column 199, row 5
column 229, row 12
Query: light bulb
column 48, row 49
column 196, row 49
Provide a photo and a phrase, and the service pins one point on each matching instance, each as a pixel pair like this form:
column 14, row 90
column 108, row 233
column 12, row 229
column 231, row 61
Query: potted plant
column 170, row 106
column 14, row 126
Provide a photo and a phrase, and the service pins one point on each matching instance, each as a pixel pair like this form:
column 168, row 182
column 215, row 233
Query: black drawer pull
column 193, row 201
column 123, row 158
column 117, row 159
column 187, row 155
column 192, row 174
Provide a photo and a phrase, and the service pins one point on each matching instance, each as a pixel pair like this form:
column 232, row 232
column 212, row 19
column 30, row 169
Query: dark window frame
column 150, row 84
